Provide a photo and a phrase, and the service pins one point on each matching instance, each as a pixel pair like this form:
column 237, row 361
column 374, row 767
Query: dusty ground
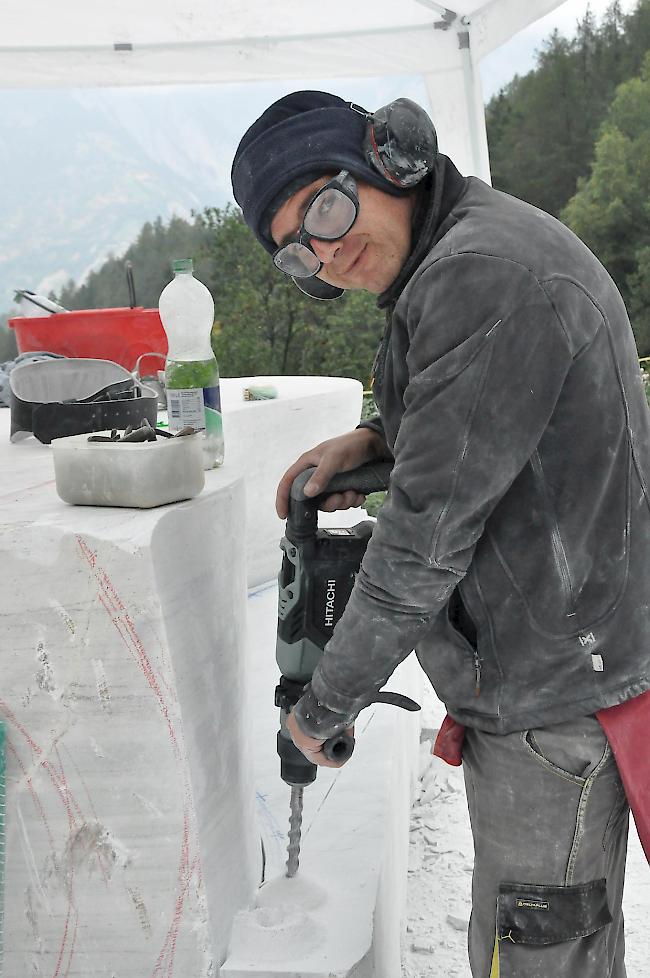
column 440, row 872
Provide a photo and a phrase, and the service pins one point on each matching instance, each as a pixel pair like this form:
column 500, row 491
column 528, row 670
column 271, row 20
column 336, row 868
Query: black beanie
column 294, row 142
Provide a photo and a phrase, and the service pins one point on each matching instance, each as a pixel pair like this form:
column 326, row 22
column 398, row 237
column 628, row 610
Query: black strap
column 116, row 406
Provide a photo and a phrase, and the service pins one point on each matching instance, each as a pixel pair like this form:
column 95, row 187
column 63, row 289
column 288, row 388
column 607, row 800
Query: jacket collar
column 439, row 193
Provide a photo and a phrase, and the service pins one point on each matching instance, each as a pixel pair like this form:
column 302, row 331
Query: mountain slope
column 84, row 171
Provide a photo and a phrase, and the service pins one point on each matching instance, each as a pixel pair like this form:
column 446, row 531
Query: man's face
column 372, row 253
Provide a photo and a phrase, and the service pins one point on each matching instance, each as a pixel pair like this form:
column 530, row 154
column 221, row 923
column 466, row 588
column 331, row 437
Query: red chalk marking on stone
column 110, row 600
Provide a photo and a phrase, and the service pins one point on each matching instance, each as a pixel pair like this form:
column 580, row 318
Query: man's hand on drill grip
column 340, row 454
column 309, row 746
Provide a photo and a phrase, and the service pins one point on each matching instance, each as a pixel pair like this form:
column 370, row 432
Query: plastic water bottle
column 191, row 372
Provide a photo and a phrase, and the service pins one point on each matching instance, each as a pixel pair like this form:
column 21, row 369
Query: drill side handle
column 295, row 769
column 339, row 748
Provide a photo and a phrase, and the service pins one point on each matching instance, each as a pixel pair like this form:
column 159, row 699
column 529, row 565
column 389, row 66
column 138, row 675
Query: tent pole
column 457, row 109
column 474, row 105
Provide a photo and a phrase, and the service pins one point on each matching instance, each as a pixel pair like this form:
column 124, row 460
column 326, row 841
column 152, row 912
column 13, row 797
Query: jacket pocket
column 557, row 544
column 551, row 929
column 562, row 540
column 532, row 551
column 539, row 914
column 451, row 662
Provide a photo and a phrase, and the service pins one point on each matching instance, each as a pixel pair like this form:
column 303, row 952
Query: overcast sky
column 518, row 55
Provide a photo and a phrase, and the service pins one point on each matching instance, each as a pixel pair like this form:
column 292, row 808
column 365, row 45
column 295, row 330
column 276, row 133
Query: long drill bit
column 295, row 826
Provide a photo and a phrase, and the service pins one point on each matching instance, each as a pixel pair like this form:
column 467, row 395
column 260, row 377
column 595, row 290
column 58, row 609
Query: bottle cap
column 182, row 265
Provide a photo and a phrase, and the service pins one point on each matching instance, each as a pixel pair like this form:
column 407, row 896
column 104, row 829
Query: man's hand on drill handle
column 309, row 746
column 340, row 454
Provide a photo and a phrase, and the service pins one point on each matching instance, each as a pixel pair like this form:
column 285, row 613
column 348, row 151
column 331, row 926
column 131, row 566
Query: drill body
column 315, row 583
column 319, row 567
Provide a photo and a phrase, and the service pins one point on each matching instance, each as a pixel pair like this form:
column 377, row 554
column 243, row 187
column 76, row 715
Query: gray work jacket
column 510, row 395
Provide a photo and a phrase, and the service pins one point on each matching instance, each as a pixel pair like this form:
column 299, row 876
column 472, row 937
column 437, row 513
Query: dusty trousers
column 549, row 819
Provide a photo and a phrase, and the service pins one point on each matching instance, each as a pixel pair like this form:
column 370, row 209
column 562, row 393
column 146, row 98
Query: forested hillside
column 543, row 126
column 572, row 136
column 611, row 209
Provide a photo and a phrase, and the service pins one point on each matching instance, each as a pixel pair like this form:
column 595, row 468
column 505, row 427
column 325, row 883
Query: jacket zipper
column 470, row 642
column 477, row 673
column 559, row 552
column 377, row 374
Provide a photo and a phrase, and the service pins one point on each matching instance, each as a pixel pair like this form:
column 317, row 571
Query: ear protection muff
column 400, row 142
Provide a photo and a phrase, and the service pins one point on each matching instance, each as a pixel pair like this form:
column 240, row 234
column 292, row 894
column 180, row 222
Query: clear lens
column 297, row 260
column 330, row 215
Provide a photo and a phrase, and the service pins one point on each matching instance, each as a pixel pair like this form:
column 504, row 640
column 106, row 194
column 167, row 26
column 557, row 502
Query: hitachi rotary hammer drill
column 319, row 567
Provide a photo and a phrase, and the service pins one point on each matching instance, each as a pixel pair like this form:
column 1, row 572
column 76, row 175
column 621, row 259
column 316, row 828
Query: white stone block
column 129, row 795
column 343, row 912
column 263, row 438
column 137, row 754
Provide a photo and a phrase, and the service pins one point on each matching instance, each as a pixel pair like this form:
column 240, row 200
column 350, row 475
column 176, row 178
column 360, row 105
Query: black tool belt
column 55, row 398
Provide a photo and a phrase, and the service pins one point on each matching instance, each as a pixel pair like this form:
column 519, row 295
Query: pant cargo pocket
column 547, row 931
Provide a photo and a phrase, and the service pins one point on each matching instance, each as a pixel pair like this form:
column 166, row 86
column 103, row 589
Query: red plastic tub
column 121, row 335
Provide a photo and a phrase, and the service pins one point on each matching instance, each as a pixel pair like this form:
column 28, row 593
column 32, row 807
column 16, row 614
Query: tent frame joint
column 448, row 16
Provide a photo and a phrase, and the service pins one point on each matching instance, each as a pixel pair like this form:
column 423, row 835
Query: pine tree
column 542, row 127
column 611, row 209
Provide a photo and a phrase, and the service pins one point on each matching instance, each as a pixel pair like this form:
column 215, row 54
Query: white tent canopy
column 84, row 43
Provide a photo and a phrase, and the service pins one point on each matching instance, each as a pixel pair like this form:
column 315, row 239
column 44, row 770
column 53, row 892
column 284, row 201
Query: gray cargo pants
column 549, row 819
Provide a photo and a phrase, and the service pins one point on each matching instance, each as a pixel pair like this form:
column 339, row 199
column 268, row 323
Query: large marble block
column 131, row 838
column 132, row 835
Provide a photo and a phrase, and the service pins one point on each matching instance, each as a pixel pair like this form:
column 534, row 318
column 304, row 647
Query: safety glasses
column 330, row 214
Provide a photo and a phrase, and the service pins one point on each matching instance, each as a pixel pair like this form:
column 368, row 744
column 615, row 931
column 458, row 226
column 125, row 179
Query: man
column 512, row 552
